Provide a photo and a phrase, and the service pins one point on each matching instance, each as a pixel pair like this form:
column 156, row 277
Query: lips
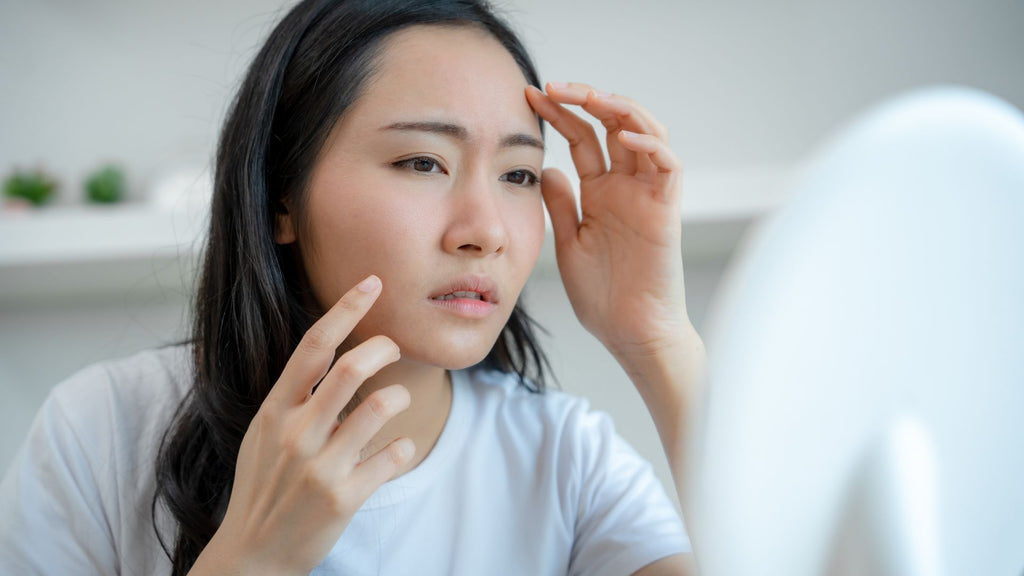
column 468, row 287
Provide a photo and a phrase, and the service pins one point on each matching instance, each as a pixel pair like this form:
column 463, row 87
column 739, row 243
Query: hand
column 621, row 262
column 299, row 479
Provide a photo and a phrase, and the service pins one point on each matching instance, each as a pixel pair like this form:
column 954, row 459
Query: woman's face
column 430, row 182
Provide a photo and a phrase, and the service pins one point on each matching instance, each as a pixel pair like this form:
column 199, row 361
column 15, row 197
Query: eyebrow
column 459, row 133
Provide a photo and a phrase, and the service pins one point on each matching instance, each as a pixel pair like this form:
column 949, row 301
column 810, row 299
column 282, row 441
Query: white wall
column 742, row 85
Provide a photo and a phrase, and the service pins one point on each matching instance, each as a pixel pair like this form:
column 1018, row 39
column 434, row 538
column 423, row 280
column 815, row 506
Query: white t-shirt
column 518, row 483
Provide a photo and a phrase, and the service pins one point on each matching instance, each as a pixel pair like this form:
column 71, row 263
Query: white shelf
column 71, row 252
column 59, row 235
column 75, row 252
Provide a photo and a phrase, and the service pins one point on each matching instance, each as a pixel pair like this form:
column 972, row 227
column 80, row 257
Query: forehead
column 458, row 74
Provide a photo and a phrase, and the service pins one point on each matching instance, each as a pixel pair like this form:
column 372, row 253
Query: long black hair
column 251, row 305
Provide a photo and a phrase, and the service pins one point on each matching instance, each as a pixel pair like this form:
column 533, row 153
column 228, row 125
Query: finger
column 668, row 167
column 356, row 430
column 613, row 117
column 569, row 92
column 315, row 352
column 347, row 375
column 382, row 466
column 619, row 113
column 616, row 112
column 561, row 205
column 579, row 94
column 584, row 146
column 628, row 112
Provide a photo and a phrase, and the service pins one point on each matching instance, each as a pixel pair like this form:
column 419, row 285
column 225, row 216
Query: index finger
column 609, row 107
column 583, row 143
column 316, row 351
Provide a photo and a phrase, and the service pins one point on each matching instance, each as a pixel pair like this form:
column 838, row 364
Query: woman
column 363, row 393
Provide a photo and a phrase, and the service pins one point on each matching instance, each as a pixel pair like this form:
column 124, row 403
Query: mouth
column 471, row 297
column 461, row 294
column 470, row 287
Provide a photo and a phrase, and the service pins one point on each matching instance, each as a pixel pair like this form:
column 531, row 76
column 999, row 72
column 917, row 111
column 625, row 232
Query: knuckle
column 583, row 133
column 380, row 405
column 266, row 418
column 336, row 504
column 317, row 339
column 321, row 480
column 348, row 304
column 396, row 454
column 314, row 480
column 351, row 369
column 293, row 445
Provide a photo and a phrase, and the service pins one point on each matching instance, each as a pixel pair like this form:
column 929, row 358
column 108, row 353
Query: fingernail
column 558, row 85
column 601, row 95
column 369, row 285
column 629, row 135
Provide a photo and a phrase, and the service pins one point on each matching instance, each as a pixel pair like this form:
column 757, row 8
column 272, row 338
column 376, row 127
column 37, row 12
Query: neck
column 422, row 422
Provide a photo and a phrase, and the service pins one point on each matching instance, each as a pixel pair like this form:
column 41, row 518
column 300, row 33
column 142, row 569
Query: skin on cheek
column 356, row 235
column 350, row 239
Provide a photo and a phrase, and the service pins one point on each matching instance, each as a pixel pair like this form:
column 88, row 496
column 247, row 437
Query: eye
column 523, row 178
column 422, row 164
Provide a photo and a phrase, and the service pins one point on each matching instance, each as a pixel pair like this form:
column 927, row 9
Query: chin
column 449, row 353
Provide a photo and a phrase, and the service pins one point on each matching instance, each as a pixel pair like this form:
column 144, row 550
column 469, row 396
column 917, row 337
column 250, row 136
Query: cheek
column 397, row 236
column 353, row 236
column 528, row 231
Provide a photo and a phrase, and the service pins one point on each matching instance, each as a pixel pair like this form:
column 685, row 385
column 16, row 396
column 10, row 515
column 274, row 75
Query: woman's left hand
column 621, row 261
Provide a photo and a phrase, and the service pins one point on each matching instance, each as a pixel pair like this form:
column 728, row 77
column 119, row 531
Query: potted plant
column 106, row 185
column 32, row 187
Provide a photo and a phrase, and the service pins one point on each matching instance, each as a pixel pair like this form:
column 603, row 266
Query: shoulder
column 134, row 392
column 165, row 371
column 79, row 489
column 610, row 500
column 110, row 418
column 114, row 413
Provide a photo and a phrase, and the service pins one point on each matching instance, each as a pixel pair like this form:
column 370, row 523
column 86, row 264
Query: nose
column 476, row 226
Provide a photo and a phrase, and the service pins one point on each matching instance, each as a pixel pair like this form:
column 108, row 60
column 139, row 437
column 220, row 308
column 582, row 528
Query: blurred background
column 748, row 90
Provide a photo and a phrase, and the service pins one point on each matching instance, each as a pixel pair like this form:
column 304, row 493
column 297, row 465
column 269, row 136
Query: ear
column 284, row 228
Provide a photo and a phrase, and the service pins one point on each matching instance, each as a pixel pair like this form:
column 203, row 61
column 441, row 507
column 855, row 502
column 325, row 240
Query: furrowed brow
column 442, row 128
column 521, row 140
column 459, row 133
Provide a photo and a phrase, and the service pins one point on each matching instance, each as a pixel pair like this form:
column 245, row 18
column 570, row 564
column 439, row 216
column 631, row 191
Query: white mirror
column 865, row 407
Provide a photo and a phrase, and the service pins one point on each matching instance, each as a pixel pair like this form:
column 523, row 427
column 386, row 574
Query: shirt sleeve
column 624, row 519
column 51, row 512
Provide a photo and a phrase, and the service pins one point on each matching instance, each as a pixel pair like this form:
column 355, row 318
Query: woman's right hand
column 299, row 479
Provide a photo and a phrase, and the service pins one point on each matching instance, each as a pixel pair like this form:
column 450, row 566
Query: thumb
column 561, row 205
